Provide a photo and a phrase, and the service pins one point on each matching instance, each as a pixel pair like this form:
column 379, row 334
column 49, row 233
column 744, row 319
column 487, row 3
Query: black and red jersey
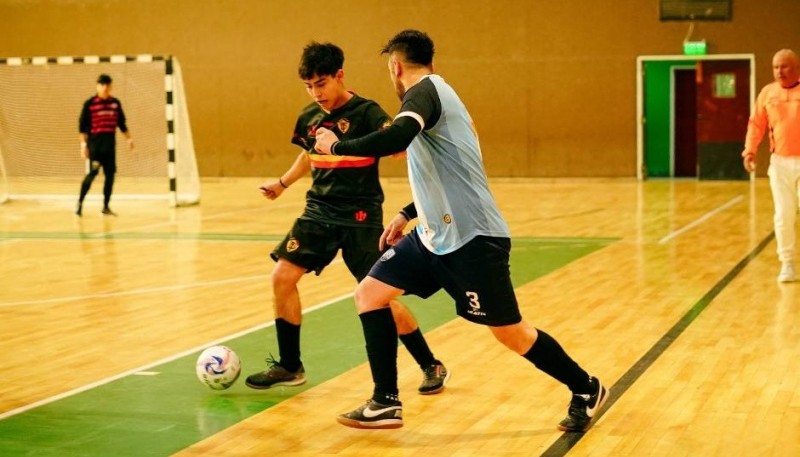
column 102, row 115
column 345, row 189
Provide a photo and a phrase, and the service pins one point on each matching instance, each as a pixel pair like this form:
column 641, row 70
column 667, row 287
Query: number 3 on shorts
column 473, row 300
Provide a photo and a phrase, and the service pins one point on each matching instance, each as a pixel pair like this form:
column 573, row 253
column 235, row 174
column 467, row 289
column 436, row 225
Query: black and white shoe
column 434, row 379
column 584, row 408
column 374, row 415
column 276, row 375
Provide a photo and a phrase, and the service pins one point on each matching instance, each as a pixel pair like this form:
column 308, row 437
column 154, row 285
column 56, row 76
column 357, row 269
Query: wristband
column 405, row 215
column 333, row 149
column 282, row 184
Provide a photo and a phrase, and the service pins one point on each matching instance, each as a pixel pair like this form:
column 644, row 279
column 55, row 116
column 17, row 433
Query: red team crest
column 343, row 125
column 361, row 215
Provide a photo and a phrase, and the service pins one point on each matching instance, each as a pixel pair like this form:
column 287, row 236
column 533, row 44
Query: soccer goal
column 40, row 102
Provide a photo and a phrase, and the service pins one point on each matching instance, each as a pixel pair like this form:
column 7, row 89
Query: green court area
column 168, row 410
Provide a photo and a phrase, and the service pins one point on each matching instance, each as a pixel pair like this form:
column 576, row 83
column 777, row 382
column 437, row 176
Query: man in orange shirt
column 777, row 110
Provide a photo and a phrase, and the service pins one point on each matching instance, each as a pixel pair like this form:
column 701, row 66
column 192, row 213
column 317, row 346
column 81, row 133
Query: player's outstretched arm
column 273, row 189
column 388, row 141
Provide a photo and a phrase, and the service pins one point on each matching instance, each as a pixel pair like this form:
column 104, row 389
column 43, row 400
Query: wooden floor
column 699, row 255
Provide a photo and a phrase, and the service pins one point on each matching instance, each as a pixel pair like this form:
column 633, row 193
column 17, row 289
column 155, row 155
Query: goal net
column 40, row 102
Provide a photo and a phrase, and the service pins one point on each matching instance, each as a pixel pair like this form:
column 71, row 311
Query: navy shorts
column 313, row 245
column 477, row 276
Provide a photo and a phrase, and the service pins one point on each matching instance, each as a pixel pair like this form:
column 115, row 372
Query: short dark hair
column 320, row 59
column 416, row 47
column 104, row 79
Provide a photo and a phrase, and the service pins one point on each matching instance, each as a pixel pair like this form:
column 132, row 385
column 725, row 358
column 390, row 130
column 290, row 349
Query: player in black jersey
column 343, row 211
column 100, row 117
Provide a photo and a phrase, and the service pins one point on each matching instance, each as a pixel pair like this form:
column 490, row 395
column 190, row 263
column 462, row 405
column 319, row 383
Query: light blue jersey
column 445, row 168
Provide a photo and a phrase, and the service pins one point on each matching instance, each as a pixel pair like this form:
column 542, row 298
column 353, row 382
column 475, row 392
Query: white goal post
column 40, row 103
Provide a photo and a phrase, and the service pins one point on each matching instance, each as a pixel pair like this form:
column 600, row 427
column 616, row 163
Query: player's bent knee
column 286, row 275
column 372, row 294
column 517, row 337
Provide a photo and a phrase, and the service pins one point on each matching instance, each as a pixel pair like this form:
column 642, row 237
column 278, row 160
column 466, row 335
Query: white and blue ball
column 218, row 367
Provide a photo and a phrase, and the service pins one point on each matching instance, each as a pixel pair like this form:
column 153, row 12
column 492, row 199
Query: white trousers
column 784, row 178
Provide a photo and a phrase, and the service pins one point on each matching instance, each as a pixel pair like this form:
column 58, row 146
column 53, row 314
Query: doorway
column 684, row 121
column 672, row 139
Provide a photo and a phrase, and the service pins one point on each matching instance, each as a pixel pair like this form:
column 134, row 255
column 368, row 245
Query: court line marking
column 569, row 439
column 147, row 367
column 702, row 219
column 277, row 206
column 149, row 290
column 176, row 222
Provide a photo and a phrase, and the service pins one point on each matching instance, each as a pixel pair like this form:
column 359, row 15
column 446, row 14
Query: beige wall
column 551, row 85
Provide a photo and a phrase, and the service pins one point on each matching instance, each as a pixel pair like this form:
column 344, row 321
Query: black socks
column 288, row 344
column 380, row 334
column 551, row 358
column 418, row 348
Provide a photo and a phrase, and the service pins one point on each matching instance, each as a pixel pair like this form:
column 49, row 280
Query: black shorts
column 103, row 152
column 477, row 276
column 313, row 245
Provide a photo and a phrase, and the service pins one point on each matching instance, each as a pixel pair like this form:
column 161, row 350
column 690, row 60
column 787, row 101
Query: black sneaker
column 436, row 376
column 79, row 210
column 107, row 212
column 584, row 408
column 374, row 415
column 276, row 375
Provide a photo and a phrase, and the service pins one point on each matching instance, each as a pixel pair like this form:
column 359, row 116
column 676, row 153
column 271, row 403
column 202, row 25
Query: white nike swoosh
column 370, row 413
column 590, row 411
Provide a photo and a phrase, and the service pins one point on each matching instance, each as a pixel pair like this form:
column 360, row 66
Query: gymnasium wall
column 551, row 85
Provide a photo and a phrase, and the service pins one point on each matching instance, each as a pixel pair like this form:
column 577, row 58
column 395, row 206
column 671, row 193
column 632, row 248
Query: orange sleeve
column 757, row 124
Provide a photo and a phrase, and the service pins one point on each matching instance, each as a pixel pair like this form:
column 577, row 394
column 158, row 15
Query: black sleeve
column 85, row 120
column 420, row 102
column 121, row 121
column 388, row 141
column 423, row 100
column 409, row 211
column 378, row 118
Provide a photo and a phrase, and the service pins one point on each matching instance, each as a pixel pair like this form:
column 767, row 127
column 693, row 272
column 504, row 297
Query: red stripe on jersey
column 341, row 161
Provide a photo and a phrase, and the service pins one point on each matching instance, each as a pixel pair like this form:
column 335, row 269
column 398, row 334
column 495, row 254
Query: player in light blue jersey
column 461, row 243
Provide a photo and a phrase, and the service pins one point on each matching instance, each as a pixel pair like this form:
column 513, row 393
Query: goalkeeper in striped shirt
column 100, row 117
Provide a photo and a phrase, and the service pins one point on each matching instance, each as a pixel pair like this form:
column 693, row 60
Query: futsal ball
column 218, row 367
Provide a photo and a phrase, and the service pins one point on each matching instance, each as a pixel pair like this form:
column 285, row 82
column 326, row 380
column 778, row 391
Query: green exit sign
column 694, row 48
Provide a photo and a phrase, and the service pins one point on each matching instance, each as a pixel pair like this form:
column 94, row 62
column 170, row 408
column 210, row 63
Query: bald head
column 786, row 68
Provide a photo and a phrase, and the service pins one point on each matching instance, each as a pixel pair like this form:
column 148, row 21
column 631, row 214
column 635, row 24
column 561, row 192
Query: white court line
column 699, row 221
column 168, row 223
column 276, row 207
column 147, row 367
column 148, row 290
